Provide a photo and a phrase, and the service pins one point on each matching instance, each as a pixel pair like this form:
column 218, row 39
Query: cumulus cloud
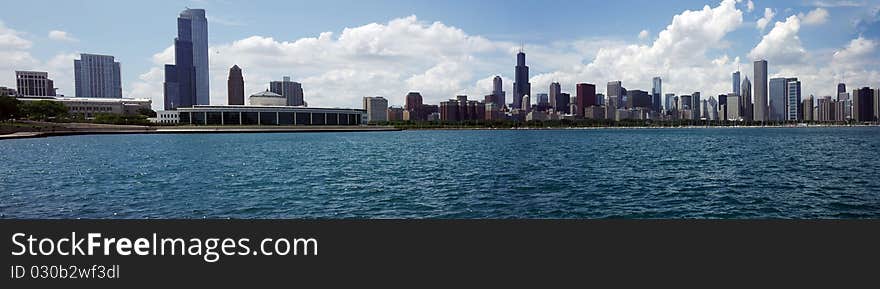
column 644, row 34
column 838, row 3
column 59, row 35
column 782, row 44
column 815, row 17
column 750, row 6
column 768, row 16
column 857, row 51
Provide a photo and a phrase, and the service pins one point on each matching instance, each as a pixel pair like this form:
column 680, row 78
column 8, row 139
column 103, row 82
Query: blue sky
column 137, row 32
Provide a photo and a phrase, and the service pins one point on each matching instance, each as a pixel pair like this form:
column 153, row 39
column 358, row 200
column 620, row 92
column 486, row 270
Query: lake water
column 606, row 173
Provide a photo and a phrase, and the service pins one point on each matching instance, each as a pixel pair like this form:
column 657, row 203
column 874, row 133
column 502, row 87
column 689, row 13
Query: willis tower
column 521, row 85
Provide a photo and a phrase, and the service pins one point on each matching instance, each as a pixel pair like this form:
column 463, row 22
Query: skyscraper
column 656, row 91
column 414, row 105
column 841, row 88
column 778, row 96
column 736, row 83
column 521, row 85
column 34, row 83
column 615, row 91
column 97, row 76
column 793, row 97
column 761, row 110
column 586, row 97
column 746, row 100
column 376, row 108
column 498, row 91
column 863, row 104
column 186, row 82
column 555, row 94
column 292, row 91
column 235, row 87
column 670, row 102
column 696, row 105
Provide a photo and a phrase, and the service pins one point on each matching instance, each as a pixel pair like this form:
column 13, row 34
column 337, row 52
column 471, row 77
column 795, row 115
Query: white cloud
column 644, row 34
column 768, row 16
column 59, row 35
column 750, row 6
column 11, row 39
column 782, row 44
column 858, row 51
column 838, row 3
column 815, row 17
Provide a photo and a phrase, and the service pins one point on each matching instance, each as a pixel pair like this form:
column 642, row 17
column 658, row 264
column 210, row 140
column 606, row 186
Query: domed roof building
column 267, row 98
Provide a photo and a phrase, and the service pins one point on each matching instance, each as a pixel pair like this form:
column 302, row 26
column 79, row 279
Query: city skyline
column 446, row 73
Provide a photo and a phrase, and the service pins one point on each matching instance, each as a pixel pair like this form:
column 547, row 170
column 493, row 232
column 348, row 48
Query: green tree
column 9, row 107
column 146, row 112
column 43, row 109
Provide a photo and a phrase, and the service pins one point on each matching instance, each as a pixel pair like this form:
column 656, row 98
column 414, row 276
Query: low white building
column 166, row 117
column 89, row 107
column 267, row 98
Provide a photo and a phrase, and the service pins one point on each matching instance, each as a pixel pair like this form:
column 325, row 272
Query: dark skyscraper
column 586, row 97
column 656, row 91
column 292, row 91
column 414, row 106
column 521, row 85
column 841, row 88
column 186, row 82
column 498, row 92
column 736, row 83
column 863, row 104
column 555, row 94
column 235, row 87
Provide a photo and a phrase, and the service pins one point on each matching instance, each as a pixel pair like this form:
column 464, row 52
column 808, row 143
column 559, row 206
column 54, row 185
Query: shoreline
column 95, row 129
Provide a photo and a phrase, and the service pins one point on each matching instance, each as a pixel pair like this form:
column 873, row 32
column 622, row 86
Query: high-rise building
column 615, row 90
column 414, row 105
column 656, row 92
column 695, row 99
column 793, row 97
column 34, row 83
column 586, row 97
column 808, row 109
column 736, row 83
column 235, row 87
column 638, row 99
column 526, row 103
column 746, row 107
column 685, row 102
column 863, row 104
column 186, row 81
column 564, row 103
column 778, row 96
column 555, row 94
column 841, row 88
column 760, row 107
column 731, row 107
column 498, row 92
column 376, row 108
column 292, row 91
column 521, row 85
column 542, row 99
column 97, row 76
column 670, row 102
column 877, row 104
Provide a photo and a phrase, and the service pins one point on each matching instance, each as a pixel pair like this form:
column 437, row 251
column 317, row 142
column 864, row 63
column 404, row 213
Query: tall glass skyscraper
column 97, row 76
column 186, row 82
column 656, row 91
column 746, row 108
column 498, row 91
column 736, row 83
column 521, row 85
column 778, row 99
column 761, row 111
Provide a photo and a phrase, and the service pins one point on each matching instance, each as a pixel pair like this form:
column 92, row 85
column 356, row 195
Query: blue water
column 609, row 173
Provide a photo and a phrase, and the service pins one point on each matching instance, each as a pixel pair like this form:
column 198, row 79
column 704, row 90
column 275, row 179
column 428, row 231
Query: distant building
column 8, row 91
column 97, row 76
column 395, row 113
column 500, row 97
column 269, row 115
column 670, row 102
column 695, row 104
column 563, row 102
column 807, row 108
column 376, row 108
column 656, row 92
column 267, row 98
column 732, row 108
column 235, row 87
column 745, row 106
column 793, row 96
column 521, row 85
column 586, row 97
column 761, row 110
column 638, row 99
column 841, row 88
column 291, row 91
column 736, row 83
column 88, row 108
column 863, row 104
column 526, row 103
column 594, row 112
column 34, row 83
column 461, row 109
column 165, row 117
column 778, row 99
column 555, row 94
column 414, row 106
column 542, row 101
column 615, row 90
column 187, row 81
